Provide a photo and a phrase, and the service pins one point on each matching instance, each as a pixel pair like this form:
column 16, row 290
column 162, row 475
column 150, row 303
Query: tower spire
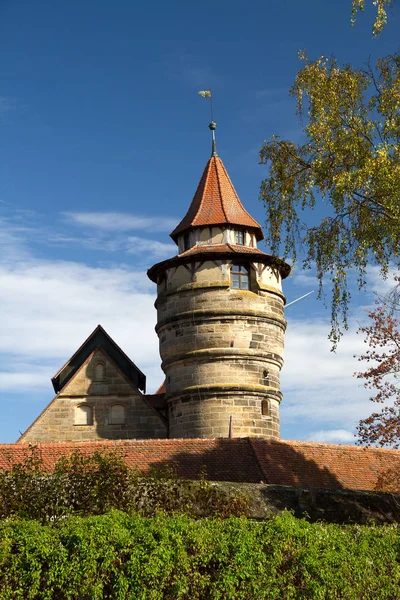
column 213, row 127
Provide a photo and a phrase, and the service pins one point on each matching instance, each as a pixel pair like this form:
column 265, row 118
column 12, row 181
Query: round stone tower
column 220, row 318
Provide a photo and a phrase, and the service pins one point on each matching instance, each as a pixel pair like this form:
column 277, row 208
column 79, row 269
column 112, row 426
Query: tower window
column 266, row 378
column 239, row 237
column 186, row 241
column 117, row 414
column 265, row 408
column 239, row 277
column 83, row 415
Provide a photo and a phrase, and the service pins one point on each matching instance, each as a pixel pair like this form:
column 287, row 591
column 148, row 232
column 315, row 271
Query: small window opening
column 239, row 277
column 265, row 408
column 99, row 371
column 186, row 241
column 239, row 237
column 266, row 378
column 117, row 414
column 83, row 415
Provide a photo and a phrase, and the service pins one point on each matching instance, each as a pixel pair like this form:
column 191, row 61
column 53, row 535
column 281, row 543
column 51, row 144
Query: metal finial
column 213, row 127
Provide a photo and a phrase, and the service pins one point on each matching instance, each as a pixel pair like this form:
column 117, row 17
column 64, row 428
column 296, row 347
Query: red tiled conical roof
column 216, row 203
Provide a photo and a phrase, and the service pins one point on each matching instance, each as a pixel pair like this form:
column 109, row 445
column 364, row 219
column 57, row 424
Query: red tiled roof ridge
column 251, row 460
column 301, row 443
column 220, row 188
column 183, row 441
column 161, row 389
column 222, row 247
column 216, row 202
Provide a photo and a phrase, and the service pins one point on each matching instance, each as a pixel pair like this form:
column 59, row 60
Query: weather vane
column 212, row 125
column 207, row 94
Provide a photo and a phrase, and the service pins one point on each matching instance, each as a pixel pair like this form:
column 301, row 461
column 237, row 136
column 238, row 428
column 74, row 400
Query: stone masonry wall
column 221, row 352
column 204, row 413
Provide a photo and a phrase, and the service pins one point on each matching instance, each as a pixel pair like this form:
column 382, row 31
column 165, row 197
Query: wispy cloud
column 129, row 244
column 320, row 391
column 48, row 307
column 118, row 221
column 138, row 245
column 20, row 231
column 7, row 104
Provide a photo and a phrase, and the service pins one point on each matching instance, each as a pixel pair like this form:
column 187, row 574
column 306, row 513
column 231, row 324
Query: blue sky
column 103, row 139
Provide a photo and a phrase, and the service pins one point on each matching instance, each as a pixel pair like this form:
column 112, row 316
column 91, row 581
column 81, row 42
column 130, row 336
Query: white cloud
column 48, row 308
column 138, row 245
column 118, row 221
column 129, row 244
column 30, row 379
column 378, row 285
column 320, row 391
column 338, row 436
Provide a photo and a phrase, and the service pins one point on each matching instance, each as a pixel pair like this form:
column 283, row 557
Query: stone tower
column 220, row 318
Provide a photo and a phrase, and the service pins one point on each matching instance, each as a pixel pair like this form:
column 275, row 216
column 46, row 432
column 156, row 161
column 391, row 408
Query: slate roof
column 300, row 464
column 216, row 203
column 99, row 338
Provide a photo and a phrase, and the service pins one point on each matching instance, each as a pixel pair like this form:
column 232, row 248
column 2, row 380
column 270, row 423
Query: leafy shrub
column 95, row 483
column 131, row 557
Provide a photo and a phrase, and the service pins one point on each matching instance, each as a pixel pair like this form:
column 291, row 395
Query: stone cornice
column 232, row 314
column 225, row 354
column 227, row 388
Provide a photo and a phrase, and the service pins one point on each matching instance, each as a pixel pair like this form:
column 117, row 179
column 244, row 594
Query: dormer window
column 239, row 277
column 239, row 237
column 186, row 241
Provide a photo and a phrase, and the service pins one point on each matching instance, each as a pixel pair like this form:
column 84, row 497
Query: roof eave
column 279, row 263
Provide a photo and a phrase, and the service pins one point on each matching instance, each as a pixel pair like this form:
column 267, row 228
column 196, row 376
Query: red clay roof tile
column 300, row 464
column 230, row 248
column 216, row 203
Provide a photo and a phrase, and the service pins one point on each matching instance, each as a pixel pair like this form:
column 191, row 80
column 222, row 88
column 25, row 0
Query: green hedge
column 96, row 483
column 121, row 556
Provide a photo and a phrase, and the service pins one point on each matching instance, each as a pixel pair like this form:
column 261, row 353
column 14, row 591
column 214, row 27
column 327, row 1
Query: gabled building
column 100, row 394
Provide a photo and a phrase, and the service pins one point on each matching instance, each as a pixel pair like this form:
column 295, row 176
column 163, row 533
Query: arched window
column 265, row 408
column 83, row 415
column 239, row 277
column 100, row 372
column 117, row 414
